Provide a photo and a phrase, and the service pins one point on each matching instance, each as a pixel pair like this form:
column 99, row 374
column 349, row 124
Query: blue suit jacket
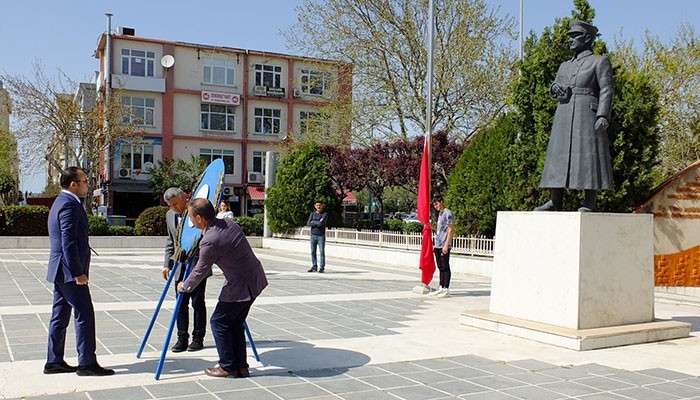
column 68, row 231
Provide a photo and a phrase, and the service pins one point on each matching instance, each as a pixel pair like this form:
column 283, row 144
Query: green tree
column 61, row 123
column 8, row 167
column 384, row 41
column 175, row 173
column 477, row 188
column 633, row 141
column 302, row 178
column 675, row 71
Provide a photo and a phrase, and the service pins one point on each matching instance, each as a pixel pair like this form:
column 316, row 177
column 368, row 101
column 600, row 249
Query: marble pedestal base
column 577, row 280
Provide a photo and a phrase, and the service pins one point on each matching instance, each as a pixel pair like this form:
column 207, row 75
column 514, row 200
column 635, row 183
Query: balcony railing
column 470, row 246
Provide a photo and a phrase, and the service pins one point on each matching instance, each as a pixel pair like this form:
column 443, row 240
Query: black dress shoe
column 180, row 346
column 320, row 271
column 196, row 345
column 313, row 269
column 94, row 370
column 59, row 368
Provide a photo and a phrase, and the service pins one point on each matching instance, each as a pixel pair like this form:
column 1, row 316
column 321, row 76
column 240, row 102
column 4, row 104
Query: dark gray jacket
column 578, row 157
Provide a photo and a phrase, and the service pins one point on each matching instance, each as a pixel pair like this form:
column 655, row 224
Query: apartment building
column 210, row 102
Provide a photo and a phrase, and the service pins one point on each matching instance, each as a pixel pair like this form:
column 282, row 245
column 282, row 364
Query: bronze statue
column 577, row 155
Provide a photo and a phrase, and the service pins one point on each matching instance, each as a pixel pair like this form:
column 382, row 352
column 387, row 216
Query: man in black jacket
column 317, row 221
column 176, row 200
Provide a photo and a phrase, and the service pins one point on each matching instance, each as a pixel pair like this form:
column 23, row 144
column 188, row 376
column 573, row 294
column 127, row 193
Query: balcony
column 138, row 83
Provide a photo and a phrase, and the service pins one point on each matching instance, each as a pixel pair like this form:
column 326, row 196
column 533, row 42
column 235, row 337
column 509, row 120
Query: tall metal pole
column 520, row 47
column 429, row 100
column 108, row 99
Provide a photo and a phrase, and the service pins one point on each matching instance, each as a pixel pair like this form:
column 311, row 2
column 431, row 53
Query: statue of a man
column 578, row 156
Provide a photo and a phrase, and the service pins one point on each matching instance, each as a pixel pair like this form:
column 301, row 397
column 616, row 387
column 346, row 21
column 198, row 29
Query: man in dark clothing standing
column 176, row 199
column 317, row 222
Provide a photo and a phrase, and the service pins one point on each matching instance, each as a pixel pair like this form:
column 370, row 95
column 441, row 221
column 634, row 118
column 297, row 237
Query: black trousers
column 442, row 261
column 199, row 308
column 229, row 335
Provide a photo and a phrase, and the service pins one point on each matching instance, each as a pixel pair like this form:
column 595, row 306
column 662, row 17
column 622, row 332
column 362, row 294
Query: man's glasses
column 83, row 181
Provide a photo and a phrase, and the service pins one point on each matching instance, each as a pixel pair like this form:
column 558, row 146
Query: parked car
column 411, row 217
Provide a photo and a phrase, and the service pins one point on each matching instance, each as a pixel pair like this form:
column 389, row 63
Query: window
column 314, row 82
column 267, row 120
column 312, row 122
column 268, row 75
column 138, row 62
column 209, row 155
column 138, row 110
column 135, row 155
column 259, row 161
column 219, row 72
column 217, row 117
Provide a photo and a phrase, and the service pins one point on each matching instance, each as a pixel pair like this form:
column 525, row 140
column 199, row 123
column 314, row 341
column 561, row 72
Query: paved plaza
column 355, row 332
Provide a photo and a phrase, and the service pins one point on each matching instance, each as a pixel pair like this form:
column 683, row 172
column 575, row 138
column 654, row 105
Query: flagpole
column 429, row 100
column 426, row 262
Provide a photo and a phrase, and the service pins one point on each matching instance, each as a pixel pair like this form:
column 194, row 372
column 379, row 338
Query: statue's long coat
column 578, row 157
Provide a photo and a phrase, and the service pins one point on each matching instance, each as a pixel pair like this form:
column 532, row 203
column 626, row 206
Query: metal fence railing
column 472, row 246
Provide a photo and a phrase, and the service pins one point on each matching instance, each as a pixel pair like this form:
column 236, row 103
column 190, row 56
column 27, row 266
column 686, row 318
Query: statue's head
column 581, row 35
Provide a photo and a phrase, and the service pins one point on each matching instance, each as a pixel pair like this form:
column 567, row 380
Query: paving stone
column 175, row 389
column 298, row 391
column 497, row 382
column 418, row 393
column 602, row 383
column 664, row 374
column 534, row 393
column 388, row 381
column 675, row 388
column 569, row 388
column 130, row 393
column 645, row 394
column 532, row 365
column 341, row 386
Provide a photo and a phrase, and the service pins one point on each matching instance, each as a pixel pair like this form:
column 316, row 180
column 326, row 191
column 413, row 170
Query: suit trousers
column 229, row 335
column 67, row 296
column 199, row 313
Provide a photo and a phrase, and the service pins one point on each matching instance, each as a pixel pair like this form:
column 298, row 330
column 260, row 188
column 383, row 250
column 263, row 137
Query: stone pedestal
column 563, row 273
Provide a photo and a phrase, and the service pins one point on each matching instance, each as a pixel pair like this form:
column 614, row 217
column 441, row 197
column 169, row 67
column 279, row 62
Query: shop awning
column 256, row 192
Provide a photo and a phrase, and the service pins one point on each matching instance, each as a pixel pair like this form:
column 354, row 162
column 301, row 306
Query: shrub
column 151, row 222
column 393, row 225
column 118, row 230
column 98, row 226
column 3, row 226
column 361, row 224
column 413, row 227
column 251, row 226
column 26, row 220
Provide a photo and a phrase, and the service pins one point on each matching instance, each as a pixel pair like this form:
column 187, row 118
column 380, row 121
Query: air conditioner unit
column 254, row 177
column 125, row 173
column 260, row 90
column 228, row 191
column 297, row 92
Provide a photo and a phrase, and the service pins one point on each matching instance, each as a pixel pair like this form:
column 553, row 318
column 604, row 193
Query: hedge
column 26, row 220
column 98, row 226
column 151, row 222
column 119, row 230
column 251, row 226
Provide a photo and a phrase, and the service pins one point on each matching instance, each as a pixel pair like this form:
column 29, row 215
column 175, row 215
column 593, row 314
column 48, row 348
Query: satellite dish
column 167, row 61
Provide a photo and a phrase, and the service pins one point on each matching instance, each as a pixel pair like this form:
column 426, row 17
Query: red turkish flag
column 427, row 261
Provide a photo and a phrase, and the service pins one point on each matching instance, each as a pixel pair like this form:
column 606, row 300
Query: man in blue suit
column 69, row 270
column 224, row 244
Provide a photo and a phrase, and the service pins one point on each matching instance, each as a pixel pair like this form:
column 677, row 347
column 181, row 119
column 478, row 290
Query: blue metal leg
column 250, row 340
column 157, row 310
column 167, row 336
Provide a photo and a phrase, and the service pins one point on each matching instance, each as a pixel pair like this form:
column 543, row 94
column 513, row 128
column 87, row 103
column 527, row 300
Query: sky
column 63, row 34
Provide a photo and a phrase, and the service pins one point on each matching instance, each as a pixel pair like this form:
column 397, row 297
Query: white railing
column 472, row 246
